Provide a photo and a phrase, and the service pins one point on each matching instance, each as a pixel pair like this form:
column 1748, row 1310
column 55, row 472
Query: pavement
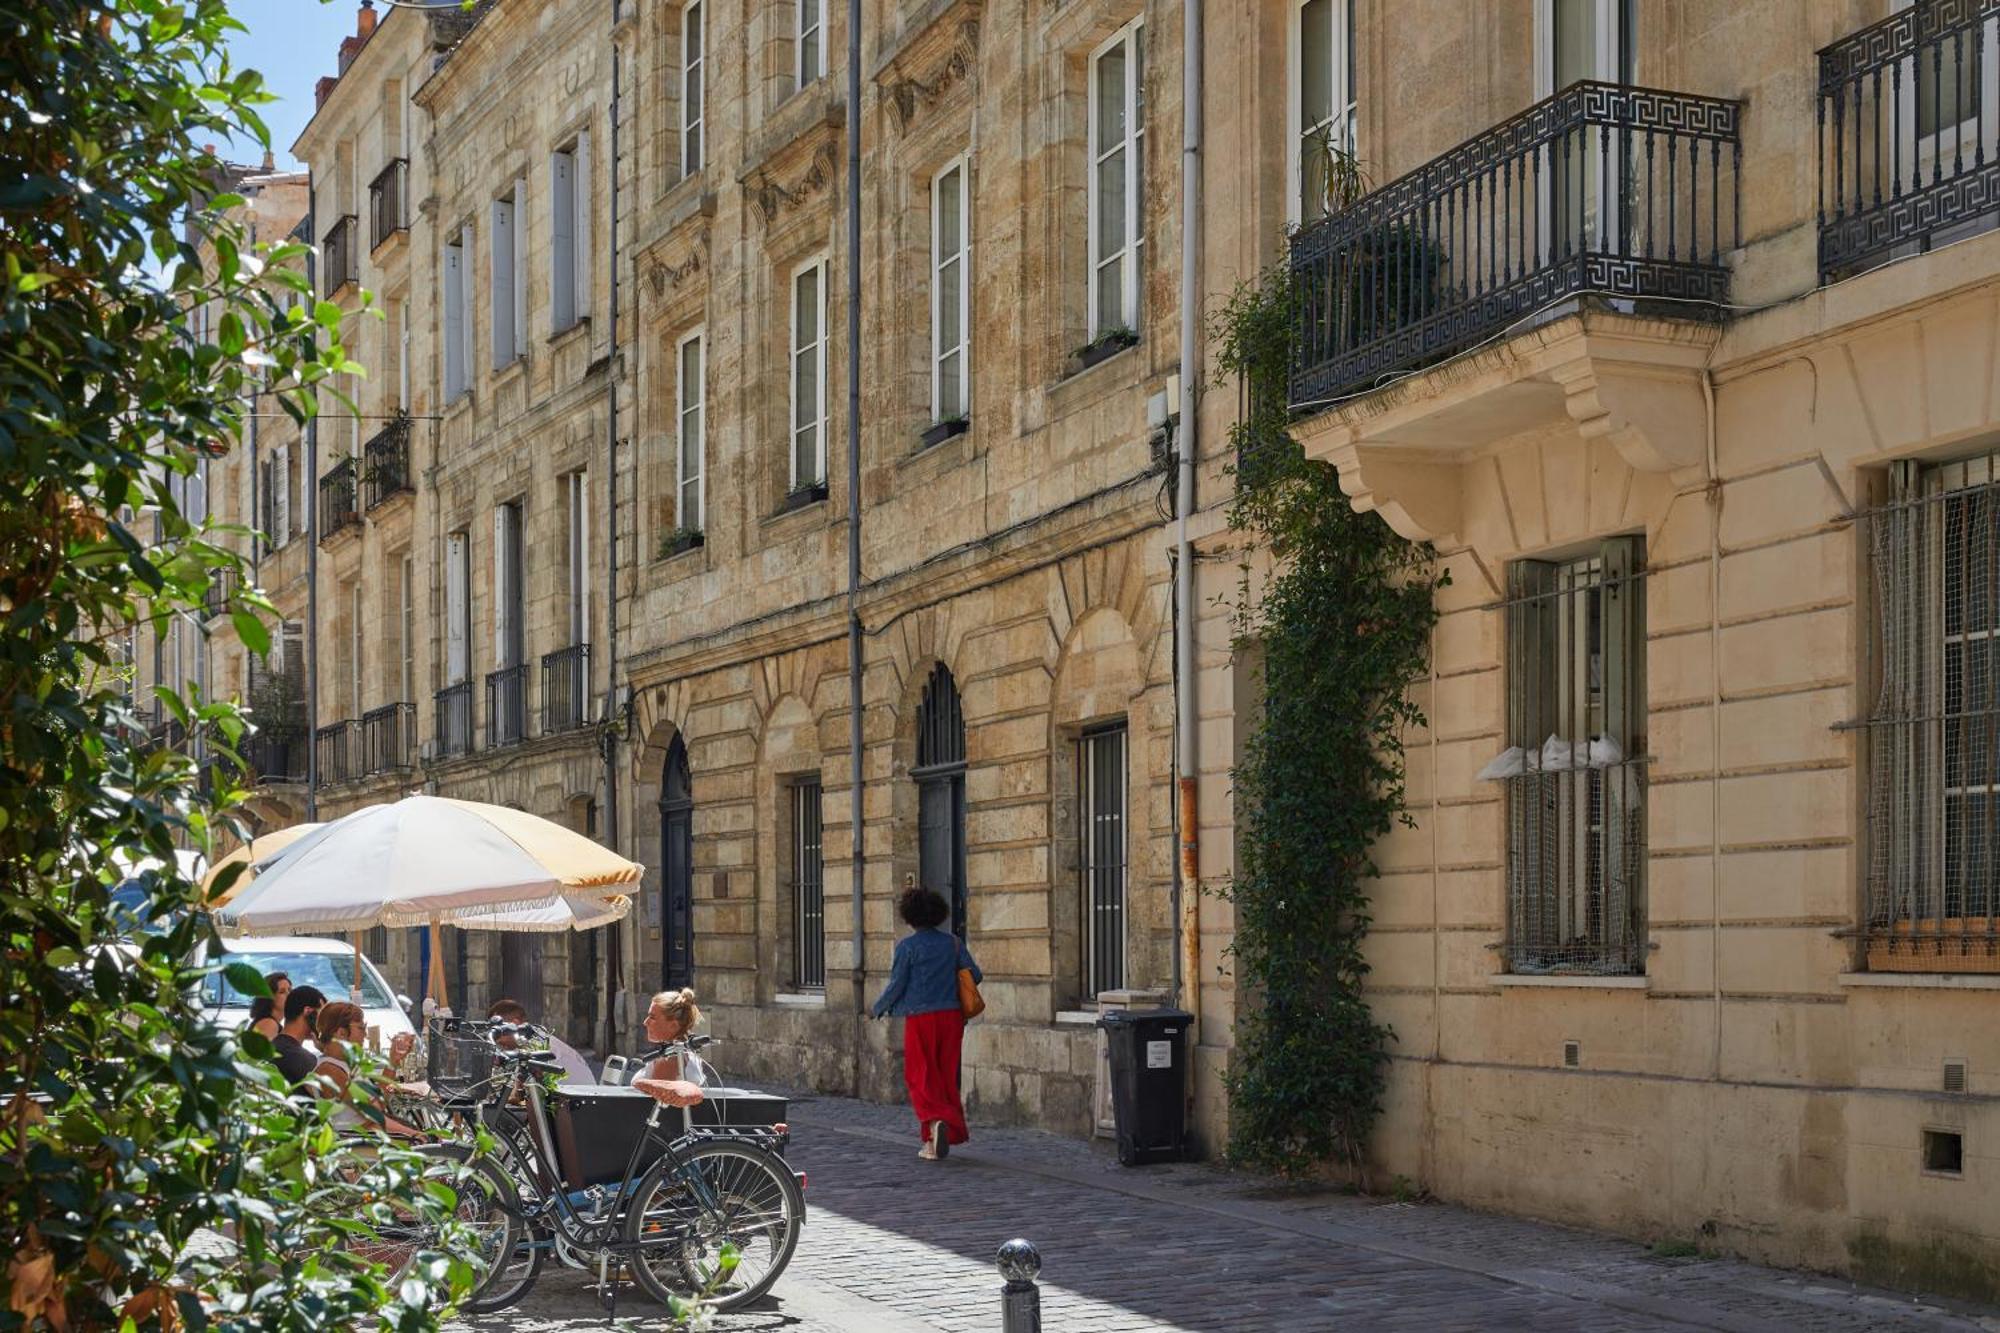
column 895, row 1245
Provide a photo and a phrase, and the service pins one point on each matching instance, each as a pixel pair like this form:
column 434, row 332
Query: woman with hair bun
column 671, row 1017
column 923, row 988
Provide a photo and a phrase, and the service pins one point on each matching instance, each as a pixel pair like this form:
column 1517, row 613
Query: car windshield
column 333, row 973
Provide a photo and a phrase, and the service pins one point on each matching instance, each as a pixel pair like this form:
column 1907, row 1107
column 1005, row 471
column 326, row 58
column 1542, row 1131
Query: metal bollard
column 1020, row 1299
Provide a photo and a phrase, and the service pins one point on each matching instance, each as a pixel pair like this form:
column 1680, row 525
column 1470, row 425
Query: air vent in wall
column 1572, row 1054
column 1954, row 1076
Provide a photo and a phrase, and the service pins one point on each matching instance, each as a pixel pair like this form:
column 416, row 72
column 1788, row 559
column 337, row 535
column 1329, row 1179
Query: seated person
column 267, row 1012
column 671, row 1017
column 296, row 1060
column 341, row 1026
column 574, row 1068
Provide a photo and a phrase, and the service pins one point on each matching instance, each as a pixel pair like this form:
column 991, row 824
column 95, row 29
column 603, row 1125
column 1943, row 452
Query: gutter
column 1187, row 882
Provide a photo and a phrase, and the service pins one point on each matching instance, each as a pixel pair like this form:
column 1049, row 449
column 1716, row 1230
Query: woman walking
column 923, row 988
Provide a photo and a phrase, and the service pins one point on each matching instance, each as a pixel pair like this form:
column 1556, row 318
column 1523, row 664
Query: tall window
column 1117, row 179
column 457, row 361
column 406, row 620
column 809, row 376
column 509, row 276
column 1323, row 116
column 576, row 554
column 691, row 437
column 457, row 607
column 808, row 887
column 1933, row 742
column 354, row 649
column 940, row 777
column 1574, row 772
column 569, row 233
column 676, row 867
column 507, row 684
column 812, row 41
column 1100, row 766
column 951, row 258
column 693, row 50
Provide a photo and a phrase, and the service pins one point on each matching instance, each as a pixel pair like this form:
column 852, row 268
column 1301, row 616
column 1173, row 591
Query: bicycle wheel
column 691, row 1204
column 485, row 1208
column 508, row 1281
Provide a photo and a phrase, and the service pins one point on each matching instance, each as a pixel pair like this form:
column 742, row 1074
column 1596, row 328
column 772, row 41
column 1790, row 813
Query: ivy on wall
column 1343, row 622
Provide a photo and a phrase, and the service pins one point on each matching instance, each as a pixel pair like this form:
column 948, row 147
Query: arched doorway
column 677, row 869
column 940, row 778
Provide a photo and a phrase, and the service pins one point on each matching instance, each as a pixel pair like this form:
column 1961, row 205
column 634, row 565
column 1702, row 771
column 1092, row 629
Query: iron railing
column 454, row 719
column 808, row 887
column 507, row 705
column 385, row 461
column 337, row 507
column 342, row 264
column 386, row 194
column 389, row 738
column 1909, row 143
column 1602, row 189
column 339, row 746
column 221, row 587
column 565, row 689
column 276, row 756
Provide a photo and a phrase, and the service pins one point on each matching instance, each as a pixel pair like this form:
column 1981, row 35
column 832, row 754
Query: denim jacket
column 924, row 977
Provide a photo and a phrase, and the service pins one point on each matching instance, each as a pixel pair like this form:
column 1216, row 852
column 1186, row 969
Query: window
column 1100, row 766
column 507, row 683
column 1117, row 180
column 1323, row 116
column 808, row 867
column 354, row 649
column 688, row 494
column 940, row 778
column 576, row 504
column 951, row 258
column 569, row 248
column 1934, row 732
column 809, row 376
column 812, row 56
column 457, row 607
column 399, row 344
column 457, row 314
column 1574, row 771
column 693, row 50
column 406, row 619
column 509, row 276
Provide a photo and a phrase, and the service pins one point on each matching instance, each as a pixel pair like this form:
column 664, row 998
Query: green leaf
column 247, row 980
column 251, row 630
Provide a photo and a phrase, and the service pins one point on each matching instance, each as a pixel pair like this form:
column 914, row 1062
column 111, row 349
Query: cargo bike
column 606, row 1179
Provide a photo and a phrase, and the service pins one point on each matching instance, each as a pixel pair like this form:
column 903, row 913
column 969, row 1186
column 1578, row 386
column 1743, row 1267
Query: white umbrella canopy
column 426, row 859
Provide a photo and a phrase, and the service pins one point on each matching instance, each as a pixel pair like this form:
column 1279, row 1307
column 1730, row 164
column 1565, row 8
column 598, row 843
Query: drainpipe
column 310, row 500
column 610, row 736
column 1186, row 755
column 855, row 729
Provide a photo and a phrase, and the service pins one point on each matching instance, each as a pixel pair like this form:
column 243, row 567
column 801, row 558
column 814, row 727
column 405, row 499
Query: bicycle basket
column 460, row 1056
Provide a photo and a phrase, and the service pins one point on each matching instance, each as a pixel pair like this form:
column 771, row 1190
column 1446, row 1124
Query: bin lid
column 1123, row 1017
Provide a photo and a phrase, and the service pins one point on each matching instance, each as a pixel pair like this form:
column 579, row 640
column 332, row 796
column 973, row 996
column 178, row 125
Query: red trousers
column 930, row 1070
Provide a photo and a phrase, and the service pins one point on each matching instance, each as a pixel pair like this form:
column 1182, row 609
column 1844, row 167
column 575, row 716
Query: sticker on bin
column 1159, row 1055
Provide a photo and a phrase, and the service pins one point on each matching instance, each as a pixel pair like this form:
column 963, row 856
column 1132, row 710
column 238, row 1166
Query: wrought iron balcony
column 1909, row 142
column 338, row 254
column 387, row 195
column 339, row 747
column 1601, row 190
column 385, row 462
column 389, row 738
column 507, row 705
column 565, row 689
column 276, row 756
column 454, row 719
column 337, row 507
column 221, row 587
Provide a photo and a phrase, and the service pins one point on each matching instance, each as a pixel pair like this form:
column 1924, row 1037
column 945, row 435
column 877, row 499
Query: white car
column 306, row 961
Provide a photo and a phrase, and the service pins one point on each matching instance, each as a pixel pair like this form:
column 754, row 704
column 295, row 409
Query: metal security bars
column 808, row 887
column 338, row 253
column 1932, row 900
column 507, row 705
column 386, row 212
column 1101, row 861
column 386, row 462
column 1574, row 771
column 565, row 689
column 940, row 777
column 389, row 738
column 338, row 509
column 1603, row 189
column 454, row 719
column 339, row 752
column 1909, row 133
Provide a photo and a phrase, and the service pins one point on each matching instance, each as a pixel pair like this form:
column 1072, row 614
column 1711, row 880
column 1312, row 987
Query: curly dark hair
column 923, row 908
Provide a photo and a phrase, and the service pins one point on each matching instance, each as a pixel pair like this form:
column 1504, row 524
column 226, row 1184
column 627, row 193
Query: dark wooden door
column 677, row 870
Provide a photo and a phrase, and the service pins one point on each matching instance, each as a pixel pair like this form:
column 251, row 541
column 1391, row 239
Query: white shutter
column 454, row 321
column 458, row 567
column 281, row 461
column 580, row 629
column 562, row 241
column 499, row 277
column 502, row 594
column 521, row 267
column 468, row 318
column 581, row 226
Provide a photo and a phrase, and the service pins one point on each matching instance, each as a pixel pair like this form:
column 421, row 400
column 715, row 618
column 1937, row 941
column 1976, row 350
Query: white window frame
column 569, row 240
column 1610, row 41
column 807, row 70
column 691, row 407
column 458, row 607
column 355, row 600
column 507, row 276
column 1344, row 117
column 941, row 410
column 576, row 502
column 1130, row 254
column 406, row 592
column 694, row 76
column 457, row 327
column 794, row 352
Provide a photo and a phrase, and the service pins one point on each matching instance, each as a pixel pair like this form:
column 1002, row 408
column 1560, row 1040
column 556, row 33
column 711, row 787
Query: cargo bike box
column 596, row 1126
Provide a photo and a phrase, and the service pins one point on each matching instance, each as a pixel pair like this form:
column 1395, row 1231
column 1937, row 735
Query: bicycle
column 667, row 1215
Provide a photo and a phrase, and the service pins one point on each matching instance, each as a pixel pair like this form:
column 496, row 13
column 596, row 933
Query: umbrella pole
column 434, row 984
column 355, row 993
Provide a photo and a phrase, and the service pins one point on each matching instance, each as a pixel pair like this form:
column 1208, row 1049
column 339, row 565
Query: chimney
column 270, row 162
column 364, row 22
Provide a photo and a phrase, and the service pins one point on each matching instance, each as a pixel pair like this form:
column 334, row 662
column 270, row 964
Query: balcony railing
column 454, row 719
column 389, row 738
column 221, row 587
column 386, row 208
column 338, row 255
column 1602, row 189
column 276, row 757
column 1909, row 136
column 337, row 507
column 507, row 705
column 565, row 689
column 339, row 748
column 385, row 461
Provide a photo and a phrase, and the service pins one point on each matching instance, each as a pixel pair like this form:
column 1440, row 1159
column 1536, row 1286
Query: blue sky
column 292, row 43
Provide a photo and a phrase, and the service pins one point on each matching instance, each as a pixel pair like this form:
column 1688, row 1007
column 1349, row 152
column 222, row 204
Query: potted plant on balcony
column 1378, row 279
column 943, row 430
column 1105, row 346
column 678, row 540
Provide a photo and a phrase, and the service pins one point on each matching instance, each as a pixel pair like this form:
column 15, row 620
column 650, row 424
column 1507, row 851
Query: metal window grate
column 1101, row 769
column 808, row 888
column 1933, row 884
column 1575, row 783
column 940, row 775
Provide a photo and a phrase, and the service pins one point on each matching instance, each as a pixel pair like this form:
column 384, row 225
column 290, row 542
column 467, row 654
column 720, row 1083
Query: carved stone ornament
column 664, row 276
column 908, row 94
column 773, row 198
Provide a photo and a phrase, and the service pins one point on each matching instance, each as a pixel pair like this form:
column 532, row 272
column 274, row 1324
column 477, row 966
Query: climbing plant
column 1340, row 621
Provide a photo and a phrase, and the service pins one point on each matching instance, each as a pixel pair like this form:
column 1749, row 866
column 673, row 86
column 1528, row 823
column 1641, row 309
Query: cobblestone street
column 894, row 1245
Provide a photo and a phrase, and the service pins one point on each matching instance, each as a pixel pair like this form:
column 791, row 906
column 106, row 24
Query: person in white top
column 342, row 1026
column 575, row 1069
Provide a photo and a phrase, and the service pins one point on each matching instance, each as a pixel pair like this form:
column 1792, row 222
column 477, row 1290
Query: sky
column 291, row 43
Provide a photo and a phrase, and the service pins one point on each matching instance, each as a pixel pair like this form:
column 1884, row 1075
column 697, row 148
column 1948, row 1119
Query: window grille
column 808, row 888
column 940, row 775
column 1101, row 773
column 1574, row 773
column 1932, row 892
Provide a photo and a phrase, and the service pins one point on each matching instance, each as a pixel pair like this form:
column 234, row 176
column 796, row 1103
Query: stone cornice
column 940, row 52
column 796, row 156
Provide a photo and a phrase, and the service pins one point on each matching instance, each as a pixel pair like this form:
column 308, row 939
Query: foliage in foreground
column 151, row 1174
column 1341, row 626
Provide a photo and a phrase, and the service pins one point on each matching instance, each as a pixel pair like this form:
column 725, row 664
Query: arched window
column 677, row 868
column 940, row 777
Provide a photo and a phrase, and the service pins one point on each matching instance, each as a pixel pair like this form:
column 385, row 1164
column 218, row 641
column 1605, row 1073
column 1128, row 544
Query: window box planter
column 1107, row 345
column 942, row 431
column 810, row 494
column 680, row 540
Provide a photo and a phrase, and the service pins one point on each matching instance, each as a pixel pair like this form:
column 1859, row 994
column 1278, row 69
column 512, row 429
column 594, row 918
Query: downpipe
column 856, row 730
column 1186, row 752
